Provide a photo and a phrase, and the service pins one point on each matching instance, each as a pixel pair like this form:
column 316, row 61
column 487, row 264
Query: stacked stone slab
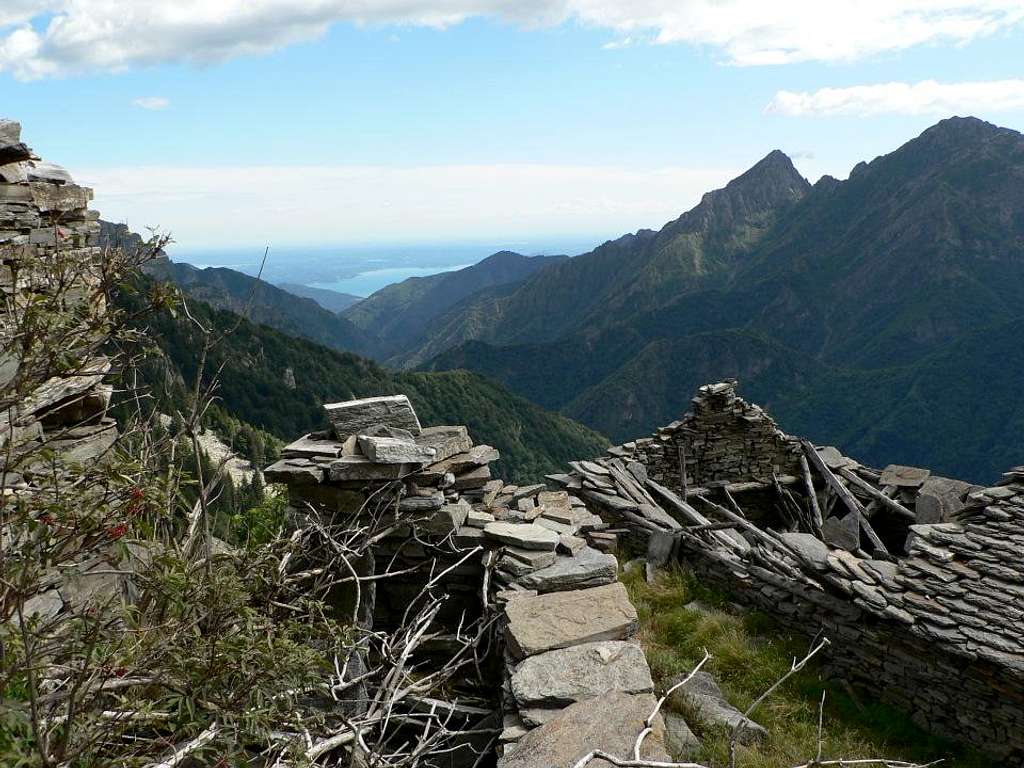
column 567, row 650
column 45, row 216
column 932, row 622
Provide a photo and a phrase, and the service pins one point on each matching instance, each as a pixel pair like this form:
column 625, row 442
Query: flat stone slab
column 308, row 446
column 524, row 536
column 568, row 675
column 703, row 696
column 563, row 619
column 294, row 472
column 446, row 441
column 904, row 477
column 587, row 568
column 610, row 723
column 842, row 532
column 353, row 417
column 393, row 450
column 810, row 548
column 358, row 468
column 940, row 498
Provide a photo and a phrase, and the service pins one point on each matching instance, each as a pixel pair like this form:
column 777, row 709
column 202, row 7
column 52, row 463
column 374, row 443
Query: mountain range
column 882, row 313
column 849, row 297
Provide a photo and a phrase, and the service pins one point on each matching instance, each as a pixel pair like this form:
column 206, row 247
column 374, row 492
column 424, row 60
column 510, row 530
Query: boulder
column 705, row 699
column 524, row 536
column 563, row 619
column 610, row 723
column 354, row 417
column 587, row 568
column 567, row 675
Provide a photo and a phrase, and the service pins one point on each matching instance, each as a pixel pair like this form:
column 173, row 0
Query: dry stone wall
column 45, row 216
column 917, row 580
column 565, row 674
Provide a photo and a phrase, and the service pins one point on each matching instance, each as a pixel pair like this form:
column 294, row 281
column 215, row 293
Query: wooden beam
column 844, row 494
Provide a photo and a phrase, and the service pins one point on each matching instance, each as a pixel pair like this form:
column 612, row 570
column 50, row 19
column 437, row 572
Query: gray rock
column 567, row 675
column 356, row 416
column 703, row 696
column 359, row 468
column 386, row 430
column 520, row 562
column 680, row 741
column 49, row 173
column 294, row 472
column 842, row 533
column 525, row 536
column 610, row 723
column 904, row 477
column 10, row 132
column 451, row 517
column 309, row 446
column 420, row 504
column 446, row 441
column 563, row 619
column 392, row 450
column 588, row 568
column 809, row 547
column 477, row 519
column 570, row 545
column 834, row 459
column 476, row 478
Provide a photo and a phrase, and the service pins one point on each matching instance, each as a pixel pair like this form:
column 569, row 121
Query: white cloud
column 152, row 102
column 924, row 98
column 296, row 205
column 70, row 36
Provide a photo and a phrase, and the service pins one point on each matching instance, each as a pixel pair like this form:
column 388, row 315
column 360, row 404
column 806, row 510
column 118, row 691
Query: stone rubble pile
column 569, row 662
column 44, row 216
column 917, row 579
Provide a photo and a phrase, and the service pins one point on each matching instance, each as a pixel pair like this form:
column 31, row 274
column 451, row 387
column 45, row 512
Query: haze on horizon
column 302, row 122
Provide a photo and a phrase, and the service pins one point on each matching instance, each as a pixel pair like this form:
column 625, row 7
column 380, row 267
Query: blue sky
column 496, row 125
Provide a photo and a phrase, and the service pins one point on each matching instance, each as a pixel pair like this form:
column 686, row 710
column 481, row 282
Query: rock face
column 610, row 723
column 357, row 416
column 563, row 619
column 561, row 677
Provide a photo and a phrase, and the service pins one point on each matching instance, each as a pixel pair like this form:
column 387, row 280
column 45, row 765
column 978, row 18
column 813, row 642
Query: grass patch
column 749, row 653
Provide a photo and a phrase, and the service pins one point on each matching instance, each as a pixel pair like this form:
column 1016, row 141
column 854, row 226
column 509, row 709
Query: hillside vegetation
column 279, row 383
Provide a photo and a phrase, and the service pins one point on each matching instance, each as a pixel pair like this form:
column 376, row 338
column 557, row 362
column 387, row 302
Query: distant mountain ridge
column 238, row 292
column 332, row 301
column 797, row 289
column 397, row 315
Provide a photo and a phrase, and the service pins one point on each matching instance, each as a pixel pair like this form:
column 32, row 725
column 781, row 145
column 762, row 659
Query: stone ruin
column 917, row 580
column 45, row 215
column 565, row 673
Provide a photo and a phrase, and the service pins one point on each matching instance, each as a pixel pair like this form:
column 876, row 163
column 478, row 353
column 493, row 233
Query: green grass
column 748, row 654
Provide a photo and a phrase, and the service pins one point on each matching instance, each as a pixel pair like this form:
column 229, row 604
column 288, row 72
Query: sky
column 235, row 123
